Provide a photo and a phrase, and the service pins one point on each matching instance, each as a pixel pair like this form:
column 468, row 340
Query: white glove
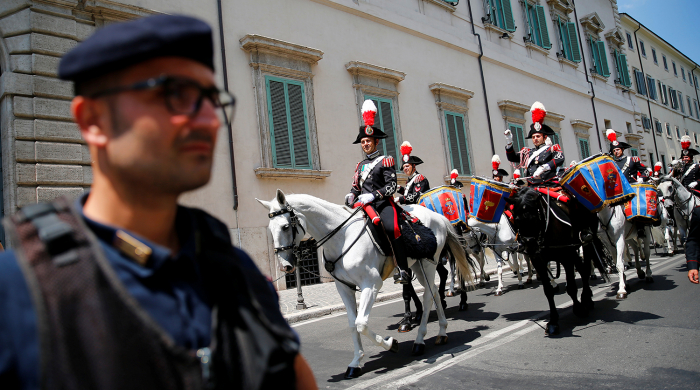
column 693, row 184
column 509, row 137
column 540, row 171
column 366, row 198
column 640, row 180
column 349, row 199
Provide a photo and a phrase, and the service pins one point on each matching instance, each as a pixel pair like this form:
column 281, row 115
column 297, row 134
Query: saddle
column 419, row 241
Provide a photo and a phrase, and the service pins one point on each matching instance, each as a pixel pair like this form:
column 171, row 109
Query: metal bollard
column 300, row 298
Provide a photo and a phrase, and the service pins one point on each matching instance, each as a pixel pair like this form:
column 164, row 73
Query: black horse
column 554, row 231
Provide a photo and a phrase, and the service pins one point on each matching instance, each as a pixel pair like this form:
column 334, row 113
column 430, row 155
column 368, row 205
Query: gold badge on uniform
column 131, row 247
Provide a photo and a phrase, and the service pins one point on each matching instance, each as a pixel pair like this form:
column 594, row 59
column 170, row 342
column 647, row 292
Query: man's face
column 686, row 159
column 498, row 178
column 617, row 152
column 369, row 144
column 408, row 169
column 538, row 139
column 150, row 147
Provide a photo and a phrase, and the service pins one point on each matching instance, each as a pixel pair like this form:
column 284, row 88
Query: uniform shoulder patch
column 420, row 177
column 556, row 148
column 635, row 158
column 388, row 161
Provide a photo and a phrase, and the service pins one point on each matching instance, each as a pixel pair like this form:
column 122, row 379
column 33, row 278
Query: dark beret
column 120, row 45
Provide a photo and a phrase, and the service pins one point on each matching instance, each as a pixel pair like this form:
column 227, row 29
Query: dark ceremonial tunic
column 630, row 167
column 376, row 175
column 692, row 245
column 688, row 173
column 416, row 186
column 537, row 157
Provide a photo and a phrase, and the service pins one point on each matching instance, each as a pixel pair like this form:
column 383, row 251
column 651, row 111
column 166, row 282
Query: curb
column 310, row 314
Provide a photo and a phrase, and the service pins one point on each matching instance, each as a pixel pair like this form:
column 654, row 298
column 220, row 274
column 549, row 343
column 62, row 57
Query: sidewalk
column 323, row 299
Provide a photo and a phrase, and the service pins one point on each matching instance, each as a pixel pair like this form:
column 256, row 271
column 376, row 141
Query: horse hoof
column 487, row 278
column 594, row 277
column 418, row 349
column 353, row 372
column 641, row 275
column 622, row 296
column 551, row 330
column 394, row 346
column 482, row 284
column 649, row 279
column 417, row 319
column 498, row 293
column 529, row 281
column 449, row 293
column 441, row 340
column 405, row 328
column 521, row 287
column 444, row 305
column 580, row 311
column 463, row 306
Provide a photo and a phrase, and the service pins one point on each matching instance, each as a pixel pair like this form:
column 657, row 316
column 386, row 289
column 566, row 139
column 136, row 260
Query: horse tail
column 465, row 264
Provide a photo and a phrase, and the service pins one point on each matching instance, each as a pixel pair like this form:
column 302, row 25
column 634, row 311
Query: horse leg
column 541, row 266
column 348, row 297
column 516, row 265
column 367, row 297
column 646, row 253
column 482, row 261
column 453, row 273
column 442, row 273
column 621, row 247
column 529, row 267
column 499, row 272
column 408, row 293
column 463, row 305
column 587, row 294
column 426, row 276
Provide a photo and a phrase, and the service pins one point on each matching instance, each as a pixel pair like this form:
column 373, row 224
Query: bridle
column 294, row 224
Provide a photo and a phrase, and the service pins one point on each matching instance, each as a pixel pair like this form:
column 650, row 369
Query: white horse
column 358, row 264
column 667, row 231
column 683, row 202
column 616, row 232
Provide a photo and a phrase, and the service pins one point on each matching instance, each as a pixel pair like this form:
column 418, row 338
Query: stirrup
column 403, row 278
column 586, row 236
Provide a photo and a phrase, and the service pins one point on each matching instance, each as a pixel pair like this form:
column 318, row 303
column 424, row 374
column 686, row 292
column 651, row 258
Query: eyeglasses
column 182, row 96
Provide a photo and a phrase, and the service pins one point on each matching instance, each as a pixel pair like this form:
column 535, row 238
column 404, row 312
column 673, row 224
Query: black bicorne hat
column 411, row 160
column 614, row 143
column 689, row 152
column 369, row 110
column 500, row 172
column 542, row 128
column 685, row 144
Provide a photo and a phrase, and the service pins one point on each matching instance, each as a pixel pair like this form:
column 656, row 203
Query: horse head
column 667, row 190
column 287, row 230
column 526, row 214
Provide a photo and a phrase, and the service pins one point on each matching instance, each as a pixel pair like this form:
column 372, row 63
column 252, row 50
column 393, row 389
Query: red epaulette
column 635, row 158
column 556, row 148
column 420, row 177
column 388, row 162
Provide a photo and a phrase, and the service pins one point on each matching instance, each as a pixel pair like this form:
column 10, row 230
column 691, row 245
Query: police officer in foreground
column 692, row 246
column 124, row 288
column 374, row 184
column 417, row 183
column 687, row 172
column 630, row 166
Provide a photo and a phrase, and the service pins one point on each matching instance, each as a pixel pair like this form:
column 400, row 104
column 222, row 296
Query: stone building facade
column 300, row 70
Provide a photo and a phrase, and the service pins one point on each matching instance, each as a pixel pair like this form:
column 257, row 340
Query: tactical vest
column 93, row 334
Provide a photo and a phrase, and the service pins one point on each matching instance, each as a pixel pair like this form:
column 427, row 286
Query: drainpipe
column 230, row 127
column 481, row 72
column 641, row 65
column 588, row 80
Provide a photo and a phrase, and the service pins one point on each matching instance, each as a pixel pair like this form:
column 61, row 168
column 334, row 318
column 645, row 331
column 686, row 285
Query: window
column 653, row 55
column 499, row 13
column 642, row 49
column 678, row 132
column 663, row 163
column 646, row 123
column 651, row 83
column 600, row 60
column 665, row 62
column 629, row 128
column 695, row 79
column 651, row 159
column 641, row 86
column 555, row 139
column 674, row 98
column 695, row 135
column 623, row 72
column 663, row 93
column 690, row 80
column 657, row 125
column 675, row 71
column 458, row 143
column 697, row 112
column 680, row 101
column 568, row 36
column 289, row 129
column 634, row 152
column 683, row 73
column 629, row 41
column 385, row 122
column 690, row 107
column 518, row 136
column 537, row 25
column 583, row 148
column 668, row 130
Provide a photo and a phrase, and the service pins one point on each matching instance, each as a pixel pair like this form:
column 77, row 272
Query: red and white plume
column 406, row 150
column 685, row 142
column 453, row 176
column 516, row 173
column 573, row 162
column 612, row 136
column 658, row 166
column 538, row 113
column 495, row 162
column 369, row 110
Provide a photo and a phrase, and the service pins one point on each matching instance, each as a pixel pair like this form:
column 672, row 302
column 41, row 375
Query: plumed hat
column 685, row 145
column 369, row 111
column 614, row 143
column 453, row 179
column 516, row 174
column 406, row 157
column 495, row 163
column 538, row 114
column 658, row 166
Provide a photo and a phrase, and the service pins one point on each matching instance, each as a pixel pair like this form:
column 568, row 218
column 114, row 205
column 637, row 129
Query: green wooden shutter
column 385, row 122
column 288, row 124
column 508, row 21
column 555, row 139
column 457, row 140
column 583, row 148
column 624, row 71
column 518, row 137
column 573, row 42
column 596, row 56
column 603, row 58
column 542, row 24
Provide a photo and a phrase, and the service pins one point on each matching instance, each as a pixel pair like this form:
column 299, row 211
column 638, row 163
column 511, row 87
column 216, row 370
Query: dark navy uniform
column 631, row 167
column 538, row 156
column 692, row 245
column 416, row 186
column 688, row 174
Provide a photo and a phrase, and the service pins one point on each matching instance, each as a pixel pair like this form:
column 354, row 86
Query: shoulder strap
column 369, row 169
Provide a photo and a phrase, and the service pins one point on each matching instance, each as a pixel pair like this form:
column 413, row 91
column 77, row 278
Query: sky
column 676, row 21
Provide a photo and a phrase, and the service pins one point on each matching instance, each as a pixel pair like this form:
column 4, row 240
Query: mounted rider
column 417, row 184
column 687, row 171
column 539, row 163
column 498, row 173
column 374, row 184
column 631, row 167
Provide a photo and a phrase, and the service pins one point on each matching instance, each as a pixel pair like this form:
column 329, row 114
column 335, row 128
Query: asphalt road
column 651, row 340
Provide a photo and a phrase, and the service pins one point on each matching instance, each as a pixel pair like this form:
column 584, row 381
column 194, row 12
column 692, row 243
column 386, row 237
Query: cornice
column 581, row 124
column 514, row 106
column 254, row 42
column 450, row 90
column 359, row 68
column 593, row 23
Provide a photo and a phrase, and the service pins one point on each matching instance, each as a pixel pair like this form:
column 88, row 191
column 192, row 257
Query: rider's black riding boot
column 401, row 261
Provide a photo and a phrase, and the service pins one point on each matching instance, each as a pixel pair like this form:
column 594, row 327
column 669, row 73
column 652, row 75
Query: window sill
column 466, row 180
column 566, row 61
column 599, row 77
column 623, row 88
column 537, row 48
column 290, row 173
column 442, row 4
column 498, row 30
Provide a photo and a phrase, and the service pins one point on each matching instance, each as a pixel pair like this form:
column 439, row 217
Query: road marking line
column 413, row 372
